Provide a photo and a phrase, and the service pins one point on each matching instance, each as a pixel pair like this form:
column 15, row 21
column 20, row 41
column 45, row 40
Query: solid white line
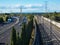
column 11, row 25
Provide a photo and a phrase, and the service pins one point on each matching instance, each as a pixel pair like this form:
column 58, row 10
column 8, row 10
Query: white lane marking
column 11, row 25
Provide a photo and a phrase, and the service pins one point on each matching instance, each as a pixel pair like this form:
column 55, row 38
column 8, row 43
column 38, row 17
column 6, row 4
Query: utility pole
column 50, row 24
column 21, row 10
column 46, row 8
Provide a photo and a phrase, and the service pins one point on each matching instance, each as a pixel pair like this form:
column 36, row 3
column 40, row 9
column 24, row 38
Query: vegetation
column 4, row 18
column 26, row 32
column 24, row 39
column 1, row 20
column 13, row 37
column 32, row 37
column 54, row 16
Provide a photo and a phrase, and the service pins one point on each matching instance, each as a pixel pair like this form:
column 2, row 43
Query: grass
column 53, row 17
column 32, row 37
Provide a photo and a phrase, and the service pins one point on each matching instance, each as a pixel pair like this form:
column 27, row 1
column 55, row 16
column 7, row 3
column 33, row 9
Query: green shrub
column 1, row 20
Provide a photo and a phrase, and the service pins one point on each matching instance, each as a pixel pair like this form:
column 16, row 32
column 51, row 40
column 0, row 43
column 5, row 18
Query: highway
column 5, row 31
column 50, row 33
column 37, row 39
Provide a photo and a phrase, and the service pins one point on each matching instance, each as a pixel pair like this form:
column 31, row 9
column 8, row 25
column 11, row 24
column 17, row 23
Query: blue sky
column 29, row 5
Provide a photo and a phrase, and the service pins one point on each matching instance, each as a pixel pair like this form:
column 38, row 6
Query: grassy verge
column 53, row 16
column 27, row 30
column 32, row 37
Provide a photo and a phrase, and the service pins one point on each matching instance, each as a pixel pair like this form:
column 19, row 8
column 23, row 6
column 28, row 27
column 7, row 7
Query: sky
column 29, row 6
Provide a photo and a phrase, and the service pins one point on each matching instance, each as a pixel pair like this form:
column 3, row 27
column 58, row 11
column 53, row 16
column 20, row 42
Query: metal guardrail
column 35, row 31
column 58, row 41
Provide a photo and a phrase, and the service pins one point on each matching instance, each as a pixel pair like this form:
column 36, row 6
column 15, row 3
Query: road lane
column 38, row 39
column 6, row 33
column 51, row 30
column 9, row 26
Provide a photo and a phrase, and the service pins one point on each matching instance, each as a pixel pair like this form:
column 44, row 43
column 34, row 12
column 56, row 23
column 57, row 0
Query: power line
column 21, row 10
column 46, row 8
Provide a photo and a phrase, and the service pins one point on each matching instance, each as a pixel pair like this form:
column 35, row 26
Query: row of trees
column 3, row 19
column 54, row 16
column 24, row 39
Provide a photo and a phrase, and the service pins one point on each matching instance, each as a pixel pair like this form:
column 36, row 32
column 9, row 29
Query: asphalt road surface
column 5, row 31
column 50, row 33
column 38, row 39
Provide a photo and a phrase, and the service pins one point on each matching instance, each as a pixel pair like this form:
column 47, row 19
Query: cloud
column 37, row 5
column 32, row 5
column 28, row 5
column 30, row 9
column 16, row 7
column 10, row 6
column 19, row 6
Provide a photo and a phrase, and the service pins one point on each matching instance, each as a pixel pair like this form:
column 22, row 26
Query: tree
column 26, row 31
column 7, row 18
column 23, row 35
column 18, row 39
column 1, row 20
column 13, row 38
column 56, row 16
column 55, row 13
